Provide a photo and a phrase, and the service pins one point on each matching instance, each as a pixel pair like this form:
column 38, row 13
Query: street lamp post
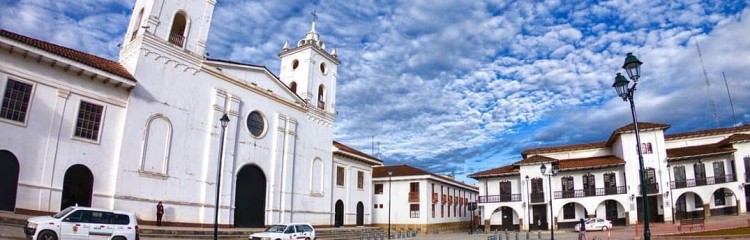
column 554, row 168
column 390, row 174
column 671, row 199
column 224, row 122
column 633, row 68
column 528, row 207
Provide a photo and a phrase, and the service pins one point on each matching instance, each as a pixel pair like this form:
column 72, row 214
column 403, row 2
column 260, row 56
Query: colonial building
column 409, row 197
column 80, row 129
column 692, row 174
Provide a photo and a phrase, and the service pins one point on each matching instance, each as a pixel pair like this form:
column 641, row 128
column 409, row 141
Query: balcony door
column 719, row 173
column 589, row 184
column 505, row 191
column 537, row 190
column 567, row 187
column 680, row 180
column 610, row 183
column 700, row 173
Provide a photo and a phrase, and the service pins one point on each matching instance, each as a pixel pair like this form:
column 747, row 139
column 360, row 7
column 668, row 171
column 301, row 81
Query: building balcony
column 413, row 197
column 177, row 39
column 651, row 188
column 434, row 197
column 443, row 198
column 500, row 198
column 450, row 199
column 537, row 197
column 590, row 192
column 703, row 181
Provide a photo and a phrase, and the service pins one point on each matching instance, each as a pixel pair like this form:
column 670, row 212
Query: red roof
column 72, row 54
column 643, row 126
column 501, row 171
column 535, row 159
column 708, row 132
column 353, row 151
column 591, row 162
column 700, row 151
column 735, row 138
column 406, row 170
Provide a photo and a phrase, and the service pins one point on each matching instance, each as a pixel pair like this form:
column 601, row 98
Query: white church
column 81, row 129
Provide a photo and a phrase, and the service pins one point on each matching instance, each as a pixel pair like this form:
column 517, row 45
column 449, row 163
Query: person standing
column 582, row 230
column 159, row 213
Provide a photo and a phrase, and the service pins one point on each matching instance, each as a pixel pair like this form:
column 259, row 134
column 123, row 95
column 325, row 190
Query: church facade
column 124, row 135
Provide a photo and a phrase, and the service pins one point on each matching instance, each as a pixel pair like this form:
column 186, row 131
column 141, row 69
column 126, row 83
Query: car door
column 301, row 233
column 99, row 226
column 73, row 226
column 290, row 233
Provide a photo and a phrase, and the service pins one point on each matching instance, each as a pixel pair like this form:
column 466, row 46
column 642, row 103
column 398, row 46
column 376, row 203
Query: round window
column 295, row 64
column 255, row 123
column 323, row 68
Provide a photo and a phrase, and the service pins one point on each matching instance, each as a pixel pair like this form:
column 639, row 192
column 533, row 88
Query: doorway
column 78, row 187
column 360, row 214
column 339, row 215
column 8, row 180
column 250, row 197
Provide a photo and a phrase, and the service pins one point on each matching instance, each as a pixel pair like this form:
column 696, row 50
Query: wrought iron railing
column 651, row 188
column 703, row 181
column 177, row 39
column 590, row 192
column 434, row 197
column 500, row 198
column 537, row 197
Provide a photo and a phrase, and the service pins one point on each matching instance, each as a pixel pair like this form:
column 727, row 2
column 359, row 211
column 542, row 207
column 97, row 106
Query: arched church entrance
column 339, row 214
column 78, row 187
column 360, row 214
column 8, row 180
column 250, row 197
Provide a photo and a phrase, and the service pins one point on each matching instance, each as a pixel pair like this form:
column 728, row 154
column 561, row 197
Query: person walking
column 159, row 213
column 582, row 230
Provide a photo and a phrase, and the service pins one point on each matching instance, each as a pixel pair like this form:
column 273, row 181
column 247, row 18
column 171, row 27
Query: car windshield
column 276, row 229
column 63, row 213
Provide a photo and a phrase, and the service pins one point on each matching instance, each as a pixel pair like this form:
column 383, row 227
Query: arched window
column 157, row 141
column 179, row 25
column 316, row 178
column 137, row 25
column 321, row 97
column 293, row 87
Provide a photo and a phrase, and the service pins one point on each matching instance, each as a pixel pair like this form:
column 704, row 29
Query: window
column 646, row 148
column 295, row 64
column 414, row 187
column 569, row 211
column 505, row 193
column 100, row 217
column 381, row 205
column 589, row 184
column 379, row 188
column 651, row 175
column 610, row 183
column 177, row 34
column 680, row 180
column 376, row 206
column 719, row 173
column 323, row 68
column 16, row 101
column 699, row 169
column 89, row 121
column 321, row 97
column 536, row 185
column 120, row 219
column 567, row 187
column 360, row 180
column 255, row 123
column 433, row 210
column 293, row 87
column 78, row 216
column 340, row 176
column 720, row 198
column 414, row 210
column 698, row 201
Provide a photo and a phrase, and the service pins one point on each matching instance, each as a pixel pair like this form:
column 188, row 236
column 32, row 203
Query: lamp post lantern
column 554, row 168
column 224, row 122
column 632, row 67
column 390, row 174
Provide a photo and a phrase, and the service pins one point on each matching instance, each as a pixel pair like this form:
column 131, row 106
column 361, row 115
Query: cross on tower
column 314, row 16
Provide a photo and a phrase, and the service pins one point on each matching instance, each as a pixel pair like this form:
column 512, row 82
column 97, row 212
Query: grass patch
column 731, row 231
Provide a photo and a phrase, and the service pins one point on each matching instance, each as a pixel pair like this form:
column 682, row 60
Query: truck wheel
column 47, row 235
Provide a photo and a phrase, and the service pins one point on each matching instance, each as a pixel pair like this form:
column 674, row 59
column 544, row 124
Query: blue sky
column 461, row 86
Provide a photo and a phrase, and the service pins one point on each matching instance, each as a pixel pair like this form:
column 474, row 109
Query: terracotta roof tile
column 708, row 132
column 735, row 138
column 353, row 151
column 591, row 162
column 535, row 159
column 501, row 171
column 580, row 146
column 75, row 55
column 406, row 170
column 683, row 153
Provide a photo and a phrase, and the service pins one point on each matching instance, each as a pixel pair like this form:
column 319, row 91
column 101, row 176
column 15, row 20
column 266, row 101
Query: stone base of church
column 427, row 228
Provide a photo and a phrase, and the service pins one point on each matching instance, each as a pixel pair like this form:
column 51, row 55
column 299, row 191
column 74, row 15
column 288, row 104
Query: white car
column 593, row 224
column 286, row 231
column 83, row 223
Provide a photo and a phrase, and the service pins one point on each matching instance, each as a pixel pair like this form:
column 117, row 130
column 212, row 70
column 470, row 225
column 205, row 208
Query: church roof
column 351, row 151
column 72, row 54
